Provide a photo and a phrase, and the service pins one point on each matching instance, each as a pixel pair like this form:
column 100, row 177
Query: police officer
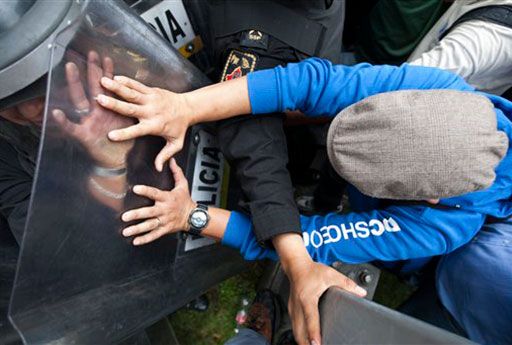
column 256, row 35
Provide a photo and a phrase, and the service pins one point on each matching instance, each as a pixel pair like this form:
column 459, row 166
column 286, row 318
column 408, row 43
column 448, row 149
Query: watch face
column 198, row 219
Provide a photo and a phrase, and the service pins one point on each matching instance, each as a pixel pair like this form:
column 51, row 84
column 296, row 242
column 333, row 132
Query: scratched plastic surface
column 346, row 319
column 78, row 279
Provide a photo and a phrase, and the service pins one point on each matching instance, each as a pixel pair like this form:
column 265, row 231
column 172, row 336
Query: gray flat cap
column 417, row 144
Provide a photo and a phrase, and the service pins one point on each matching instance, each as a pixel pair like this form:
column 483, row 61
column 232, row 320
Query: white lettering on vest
column 391, row 225
column 318, row 236
column 333, row 233
column 378, row 227
column 326, row 233
column 305, row 238
column 350, row 230
column 362, row 230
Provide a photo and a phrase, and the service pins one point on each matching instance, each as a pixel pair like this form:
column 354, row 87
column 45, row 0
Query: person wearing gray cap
column 418, row 144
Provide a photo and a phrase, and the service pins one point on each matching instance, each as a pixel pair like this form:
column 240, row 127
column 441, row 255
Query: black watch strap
column 194, row 230
column 202, row 207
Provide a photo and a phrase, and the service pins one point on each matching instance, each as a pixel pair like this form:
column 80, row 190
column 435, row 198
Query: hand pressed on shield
column 159, row 112
column 308, row 281
column 306, row 289
column 168, row 215
column 95, row 121
column 168, row 114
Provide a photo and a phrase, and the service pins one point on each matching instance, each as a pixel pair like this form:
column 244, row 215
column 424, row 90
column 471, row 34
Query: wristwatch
column 198, row 219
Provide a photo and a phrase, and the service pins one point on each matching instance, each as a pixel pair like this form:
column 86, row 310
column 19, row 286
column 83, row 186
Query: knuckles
column 134, row 96
column 131, row 110
column 120, row 79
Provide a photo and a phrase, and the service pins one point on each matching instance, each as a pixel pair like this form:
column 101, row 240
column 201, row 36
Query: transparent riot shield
column 78, row 279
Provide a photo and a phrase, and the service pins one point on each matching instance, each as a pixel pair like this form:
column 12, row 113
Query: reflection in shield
column 78, row 279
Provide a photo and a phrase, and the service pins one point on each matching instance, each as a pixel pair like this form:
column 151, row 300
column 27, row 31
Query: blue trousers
column 474, row 283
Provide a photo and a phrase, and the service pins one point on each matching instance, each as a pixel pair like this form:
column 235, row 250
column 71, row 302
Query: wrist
column 190, row 108
column 292, row 252
column 295, row 265
column 191, row 205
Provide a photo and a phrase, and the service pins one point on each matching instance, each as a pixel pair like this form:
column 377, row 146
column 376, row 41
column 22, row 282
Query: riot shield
column 346, row 319
column 78, row 280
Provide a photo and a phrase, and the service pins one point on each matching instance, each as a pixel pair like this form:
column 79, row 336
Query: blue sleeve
column 391, row 234
column 239, row 235
column 394, row 233
column 318, row 88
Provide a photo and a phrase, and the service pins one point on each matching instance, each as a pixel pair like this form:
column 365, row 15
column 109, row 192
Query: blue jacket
column 317, row 88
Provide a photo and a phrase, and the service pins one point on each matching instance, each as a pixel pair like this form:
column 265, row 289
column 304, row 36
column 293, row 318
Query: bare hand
column 169, row 214
column 159, row 112
column 96, row 121
column 309, row 280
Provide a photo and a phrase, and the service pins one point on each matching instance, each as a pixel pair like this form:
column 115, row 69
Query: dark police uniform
column 255, row 35
column 18, row 153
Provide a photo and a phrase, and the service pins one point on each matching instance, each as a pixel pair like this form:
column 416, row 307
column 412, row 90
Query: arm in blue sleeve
column 394, row 233
column 239, row 235
column 318, row 88
column 391, row 234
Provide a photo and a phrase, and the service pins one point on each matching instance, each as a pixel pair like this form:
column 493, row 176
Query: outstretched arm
column 168, row 114
column 314, row 87
column 389, row 234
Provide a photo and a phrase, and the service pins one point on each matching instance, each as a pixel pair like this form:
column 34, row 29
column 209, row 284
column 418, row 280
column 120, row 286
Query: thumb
column 349, row 285
column 179, row 178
